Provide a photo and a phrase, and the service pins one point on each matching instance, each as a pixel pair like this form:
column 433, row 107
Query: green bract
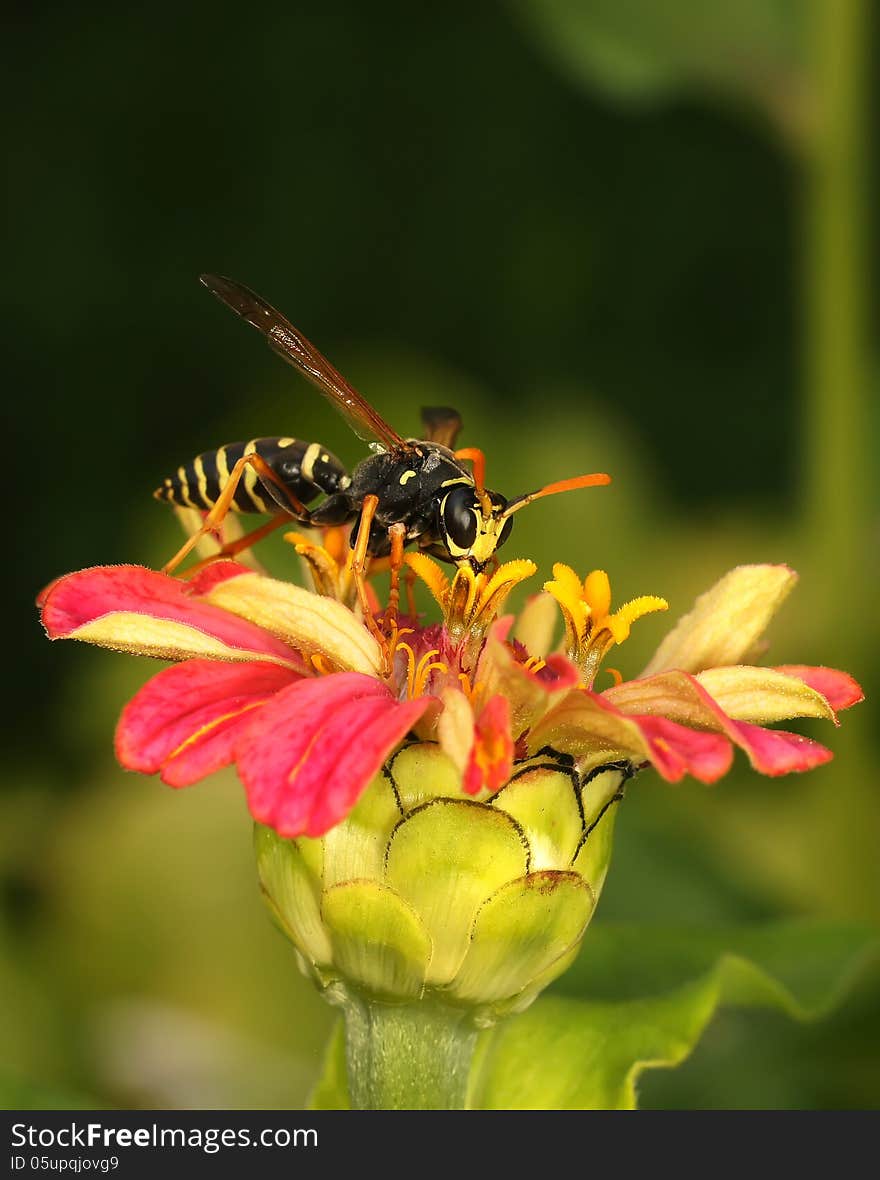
column 425, row 894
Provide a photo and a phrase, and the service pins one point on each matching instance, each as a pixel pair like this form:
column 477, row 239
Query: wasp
column 407, row 490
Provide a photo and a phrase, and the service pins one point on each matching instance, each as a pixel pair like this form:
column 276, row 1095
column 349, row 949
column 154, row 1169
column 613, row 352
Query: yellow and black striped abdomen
column 305, row 468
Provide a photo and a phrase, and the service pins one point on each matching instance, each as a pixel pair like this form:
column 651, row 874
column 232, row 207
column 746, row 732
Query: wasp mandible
column 407, row 490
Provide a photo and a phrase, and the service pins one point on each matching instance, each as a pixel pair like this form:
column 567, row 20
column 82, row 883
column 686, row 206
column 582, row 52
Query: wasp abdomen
column 306, row 469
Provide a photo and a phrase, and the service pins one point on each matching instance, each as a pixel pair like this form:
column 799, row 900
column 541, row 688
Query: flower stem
column 407, row 1056
column 836, row 467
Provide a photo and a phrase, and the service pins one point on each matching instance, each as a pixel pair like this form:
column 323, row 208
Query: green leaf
column 653, row 990
column 578, row 1054
column 642, row 50
column 331, row 1092
column 573, row 1055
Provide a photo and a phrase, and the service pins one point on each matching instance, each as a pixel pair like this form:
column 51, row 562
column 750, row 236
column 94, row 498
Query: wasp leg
column 409, row 583
column 241, row 543
column 359, row 557
column 359, row 566
column 397, row 536
column 222, row 504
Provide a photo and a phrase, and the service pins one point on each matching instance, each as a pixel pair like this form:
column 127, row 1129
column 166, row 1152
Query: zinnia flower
column 437, row 810
column 294, row 688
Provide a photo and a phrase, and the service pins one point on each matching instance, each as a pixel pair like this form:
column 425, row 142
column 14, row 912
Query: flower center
column 470, row 602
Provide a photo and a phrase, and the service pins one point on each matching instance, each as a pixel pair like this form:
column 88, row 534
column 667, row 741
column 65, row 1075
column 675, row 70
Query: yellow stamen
column 424, row 671
column 470, row 602
column 410, row 668
column 329, row 564
column 396, row 633
column 421, row 666
column 590, row 627
column 469, row 690
column 626, row 615
column 432, row 575
column 321, row 664
column 336, row 543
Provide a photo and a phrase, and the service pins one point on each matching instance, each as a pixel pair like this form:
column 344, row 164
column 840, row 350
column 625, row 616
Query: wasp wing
column 293, row 347
column 441, row 424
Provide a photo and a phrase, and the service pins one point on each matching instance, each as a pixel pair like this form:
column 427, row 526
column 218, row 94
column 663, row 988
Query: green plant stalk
column 407, row 1056
column 837, row 474
column 837, row 495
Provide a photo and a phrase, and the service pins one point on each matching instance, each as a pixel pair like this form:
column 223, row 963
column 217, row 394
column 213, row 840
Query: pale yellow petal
column 163, row 639
column 499, row 674
column 308, row 622
column 455, row 727
column 536, row 625
column 762, row 695
column 208, row 545
column 577, row 726
column 726, row 621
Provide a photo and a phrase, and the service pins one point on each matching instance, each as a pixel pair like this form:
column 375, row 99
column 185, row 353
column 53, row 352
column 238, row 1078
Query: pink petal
column 530, row 693
column 839, row 689
column 215, row 573
column 775, row 752
column 186, row 720
column 78, row 599
column 558, row 672
column 587, row 724
column 491, row 758
column 501, row 628
column 770, row 751
column 309, row 754
column 676, row 750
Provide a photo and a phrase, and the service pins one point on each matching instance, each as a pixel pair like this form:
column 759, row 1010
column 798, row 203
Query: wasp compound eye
column 460, row 517
column 505, row 532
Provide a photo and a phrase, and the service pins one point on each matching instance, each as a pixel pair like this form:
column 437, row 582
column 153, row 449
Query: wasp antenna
column 478, row 459
column 597, row 479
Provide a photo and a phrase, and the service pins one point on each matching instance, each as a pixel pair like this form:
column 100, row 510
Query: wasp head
column 472, row 525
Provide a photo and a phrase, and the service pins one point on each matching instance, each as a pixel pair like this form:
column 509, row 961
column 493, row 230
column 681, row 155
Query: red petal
column 309, row 754
column 215, row 573
column 558, row 672
column 491, row 758
column 770, row 751
column 838, row 688
column 676, row 750
column 185, row 721
column 774, row 752
column 80, row 598
column 588, row 723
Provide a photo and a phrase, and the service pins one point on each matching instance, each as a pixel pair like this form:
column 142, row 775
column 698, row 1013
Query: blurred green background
column 622, row 236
